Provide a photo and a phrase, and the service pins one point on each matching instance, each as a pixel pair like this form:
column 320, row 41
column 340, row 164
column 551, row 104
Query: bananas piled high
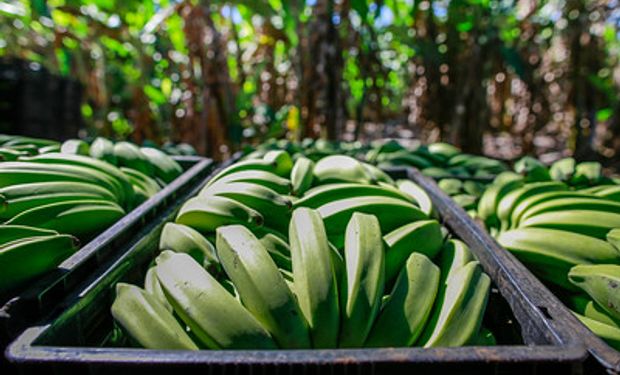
column 282, row 253
column 52, row 195
column 563, row 223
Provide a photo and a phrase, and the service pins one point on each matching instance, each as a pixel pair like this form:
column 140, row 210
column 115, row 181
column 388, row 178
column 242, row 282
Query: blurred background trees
column 502, row 77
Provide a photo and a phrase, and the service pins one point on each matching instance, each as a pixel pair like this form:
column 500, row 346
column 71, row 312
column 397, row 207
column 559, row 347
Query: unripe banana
column 276, row 183
column 165, row 167
column 153, row 287
column 14, row 207
column 183, row 239
column 142, row 181
column 602, row 283
column 377, row 175
column 423, row 237
column 10, row 233
column 103, row 149
column 316, row 285
column 261, row 286
column 594, row 311
column 512, row 199
column 587, row 173
column 450, row 186
column 340, row 168
column 455, row 254
column 532, row 169
column 26, row 258
column 211, row 312
column 391, row 212
column 571, row 203
column 75, row 146
column 404, row 158
column 206, row 214
column 147, row 320
column 302, row 176
column 245, row 165
column 27, row 190
column 273, row 207
column 611, row 193
column 408, row 306
column 418, row 194
column 532, row 203
column 279, row 251
column 461, row 304
column 282, row 161
column 591, row 223
column 129, row 155
column 551, row 253
column 613, row 237
column 563, row 169
column 610, row 334
column 323, row 194
column 365, row 279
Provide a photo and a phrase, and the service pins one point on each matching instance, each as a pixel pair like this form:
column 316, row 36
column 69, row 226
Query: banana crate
column 532, row 332
column 41, row 298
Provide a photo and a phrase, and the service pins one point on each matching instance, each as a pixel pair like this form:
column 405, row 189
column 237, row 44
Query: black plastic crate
column 76, row 340
column 505, row 265
column 24, row 306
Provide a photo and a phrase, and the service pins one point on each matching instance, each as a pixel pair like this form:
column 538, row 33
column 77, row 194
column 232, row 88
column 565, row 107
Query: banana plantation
column 310, row 186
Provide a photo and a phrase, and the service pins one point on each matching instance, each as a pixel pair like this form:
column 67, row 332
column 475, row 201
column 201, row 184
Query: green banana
column 206, row 214
column 551, row 253
column 147, row 320
column 274, row 208
column 563, row 169
column 14, row 207
column 422, row 236
column 153, row 287
column 340, row 168
column 611, row 193
column 302, row 176
column 613, row 237
column 165, row 167
column 48, row 149
column 316, row 284
column 610, row 334
column 129, row 155
column 532, row 169
column 391, row 212
column 279, row 251
column 450, row 186
column 81, row 218
column 510, row 201
column 466, row 201
column 143, row 182
column 75, row 146
column 418, row 194
column 365, row 279
column 408, row 306
column 282, row 161
column 571, row 203
column 455, row 254
column 601, row 282
column 103, row 149
column 403, row 158
column 261, row 286
column 377, row 175
column 10, row 233
column 7, row 154
column 267, row 179
column 587, row 173
column 594, row 311
column 592, row 223
column 26, row 258
column 217, row 319
column 324, row 194
column 460, row 307
column 184, row 239
column 246, row 165
column 532, row 203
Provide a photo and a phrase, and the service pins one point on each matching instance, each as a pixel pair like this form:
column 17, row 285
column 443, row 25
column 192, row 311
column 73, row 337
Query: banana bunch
column 296, row 252
column 465, row 193
column 562, row 223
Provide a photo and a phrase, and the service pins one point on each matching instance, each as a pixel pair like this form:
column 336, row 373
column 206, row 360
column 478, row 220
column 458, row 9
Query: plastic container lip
column 547, row 344
column 38, row 299
column 507, row 265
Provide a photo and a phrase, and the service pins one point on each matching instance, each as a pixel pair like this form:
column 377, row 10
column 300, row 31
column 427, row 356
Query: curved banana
column 143, row 182
column 147, row 320
column 279, row 251
column 532, row 203
column 562, row 170
column 243, row 166
column 611, row 193
column 217, row 319
column 261, row 286
column 153, row 287
column 183, row 239
column 587, row 173
column 282, row 161
column 129, row 155
column 461, row 305
column 391, row 212
column 165, row 167
column 532, row 169
column 103, row 149
column 512, row 199
column 10, row 233
column 377, row 175
column 591, row 223
column 75, row 146
column 26, row 258
column 613, row 237
column 418, row 194
column 570, row 203
column 365, row 278
column 302, row 176
column 422, row 236
column 324, row 194
column 316, row 284
column 274, row 208
column 455, row 254
column 551, row 253
column 408, row 306
column 340, row 168
column 610, row 334
column 601, row 282
column 267, row 179
column 206, row 214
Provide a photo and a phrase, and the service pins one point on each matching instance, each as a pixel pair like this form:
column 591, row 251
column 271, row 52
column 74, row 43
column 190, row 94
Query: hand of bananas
column 563, row 223
column 282, row 253
column 53, row 194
